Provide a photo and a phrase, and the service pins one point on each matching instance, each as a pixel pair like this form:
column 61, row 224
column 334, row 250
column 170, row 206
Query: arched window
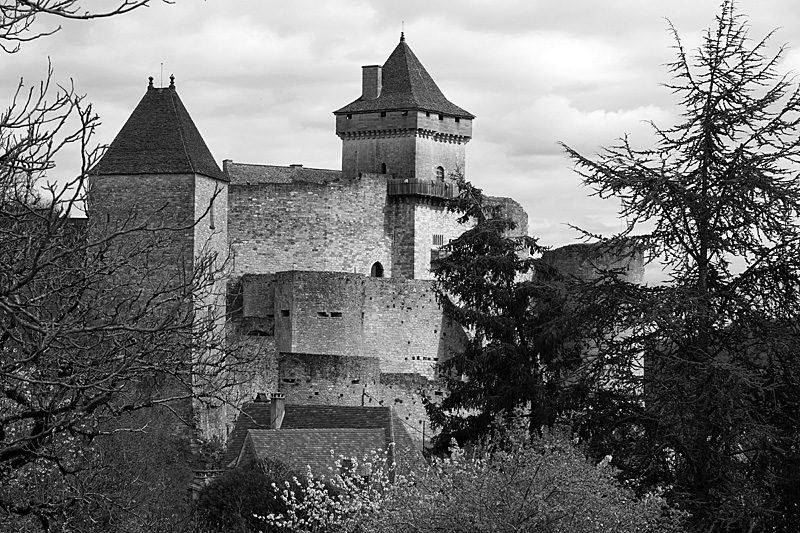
column 377, row 270
column 383, row 168
column 440, row 173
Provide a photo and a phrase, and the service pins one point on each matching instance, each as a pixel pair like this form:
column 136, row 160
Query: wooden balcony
column 430, row 188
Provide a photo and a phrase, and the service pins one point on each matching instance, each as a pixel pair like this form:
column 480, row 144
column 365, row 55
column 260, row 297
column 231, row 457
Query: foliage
column 105, row 342
column 717, row 200
column 543, row 485
column 528, row 330
column 231, row 501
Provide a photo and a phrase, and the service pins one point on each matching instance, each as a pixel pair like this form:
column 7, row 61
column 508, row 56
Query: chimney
column 371, row 82
column 277, row 410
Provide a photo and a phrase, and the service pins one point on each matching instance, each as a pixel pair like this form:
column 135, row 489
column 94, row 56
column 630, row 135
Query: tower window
column 438, row 240
column 377, row 270
column 383, row 168
column 211, row 214
column 440, row 173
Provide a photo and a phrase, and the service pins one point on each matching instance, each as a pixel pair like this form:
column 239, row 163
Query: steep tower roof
column 159, row 138
column 405, row 85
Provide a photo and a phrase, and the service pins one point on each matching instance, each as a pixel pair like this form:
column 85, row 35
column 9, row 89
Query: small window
column 405, row 113
column 440, row 173
column 284, row 312
column 377, row 270
column 438, row 240
column 383, row 168
column 322, row 314
column 211, row 215
column 383, row 113
column 458, row 120
column 336, row 314
column 427, row 114
column 441, row 117
column 349, row 117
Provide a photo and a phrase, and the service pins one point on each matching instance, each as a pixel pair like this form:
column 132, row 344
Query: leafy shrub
column 230, row 502
column 544, row 485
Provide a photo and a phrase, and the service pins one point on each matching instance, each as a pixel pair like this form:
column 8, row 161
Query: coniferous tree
column 717, row 201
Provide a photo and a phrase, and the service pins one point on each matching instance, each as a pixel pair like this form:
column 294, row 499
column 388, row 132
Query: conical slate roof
column 406, row 85
column 159, row 138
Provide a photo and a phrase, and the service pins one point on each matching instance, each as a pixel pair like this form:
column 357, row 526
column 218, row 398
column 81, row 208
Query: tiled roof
column 256, row 415
column 317, row 448
column 406, row 85
column 245, row 174
column 159, row 138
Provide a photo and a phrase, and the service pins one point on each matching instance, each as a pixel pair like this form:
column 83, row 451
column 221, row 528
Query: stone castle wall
column 315, row 379
column 589, row 261
column 338, row 226
column 396, row 321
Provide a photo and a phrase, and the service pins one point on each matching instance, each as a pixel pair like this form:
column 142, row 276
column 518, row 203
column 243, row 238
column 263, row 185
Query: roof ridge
column 177, row 120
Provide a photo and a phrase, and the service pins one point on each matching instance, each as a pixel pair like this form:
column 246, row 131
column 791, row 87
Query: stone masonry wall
column 338, row 226
column 404, row 327
column 326, row 311
column 429, row 220
column 313, row 379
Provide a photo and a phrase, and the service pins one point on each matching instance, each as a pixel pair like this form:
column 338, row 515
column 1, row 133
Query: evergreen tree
column 717, row 200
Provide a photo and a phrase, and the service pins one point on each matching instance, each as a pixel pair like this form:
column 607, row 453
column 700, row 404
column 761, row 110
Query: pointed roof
column 406, row 85
column 159, row 138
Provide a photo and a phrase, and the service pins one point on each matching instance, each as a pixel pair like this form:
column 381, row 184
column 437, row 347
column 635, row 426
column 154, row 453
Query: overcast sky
column 261, row 78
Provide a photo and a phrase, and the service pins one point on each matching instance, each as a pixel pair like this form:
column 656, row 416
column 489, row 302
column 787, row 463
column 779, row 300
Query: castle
column 328, row 271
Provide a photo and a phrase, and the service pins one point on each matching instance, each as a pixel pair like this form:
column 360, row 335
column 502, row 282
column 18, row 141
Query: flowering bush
column 543, row 485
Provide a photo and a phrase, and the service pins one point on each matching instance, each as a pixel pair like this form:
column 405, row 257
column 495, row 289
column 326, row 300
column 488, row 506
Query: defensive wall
column 324, row 379
column 334, row 226
column 590, row 261
column 397, row 321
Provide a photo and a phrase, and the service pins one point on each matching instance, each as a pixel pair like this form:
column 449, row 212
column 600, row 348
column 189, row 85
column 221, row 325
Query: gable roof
column 406, row 85
column 159, row 138
column 315, row 448
column 256, row 416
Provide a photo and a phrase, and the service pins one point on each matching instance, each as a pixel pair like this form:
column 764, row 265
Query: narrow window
column 211, row 214
column 428, row 114
column 440, row 173
column 377, row 270
column 383, row 113
column 441, row 117
column 383, row 168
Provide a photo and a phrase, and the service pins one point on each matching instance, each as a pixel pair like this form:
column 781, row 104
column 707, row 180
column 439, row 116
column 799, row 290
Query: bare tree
column 105, row 339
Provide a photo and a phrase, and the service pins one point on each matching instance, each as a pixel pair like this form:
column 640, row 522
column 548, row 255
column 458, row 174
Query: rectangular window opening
column 322, row 314
column 336, row 314
column 438, row 240
column 383, row 113
column 284, row 312
column 441, row 117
